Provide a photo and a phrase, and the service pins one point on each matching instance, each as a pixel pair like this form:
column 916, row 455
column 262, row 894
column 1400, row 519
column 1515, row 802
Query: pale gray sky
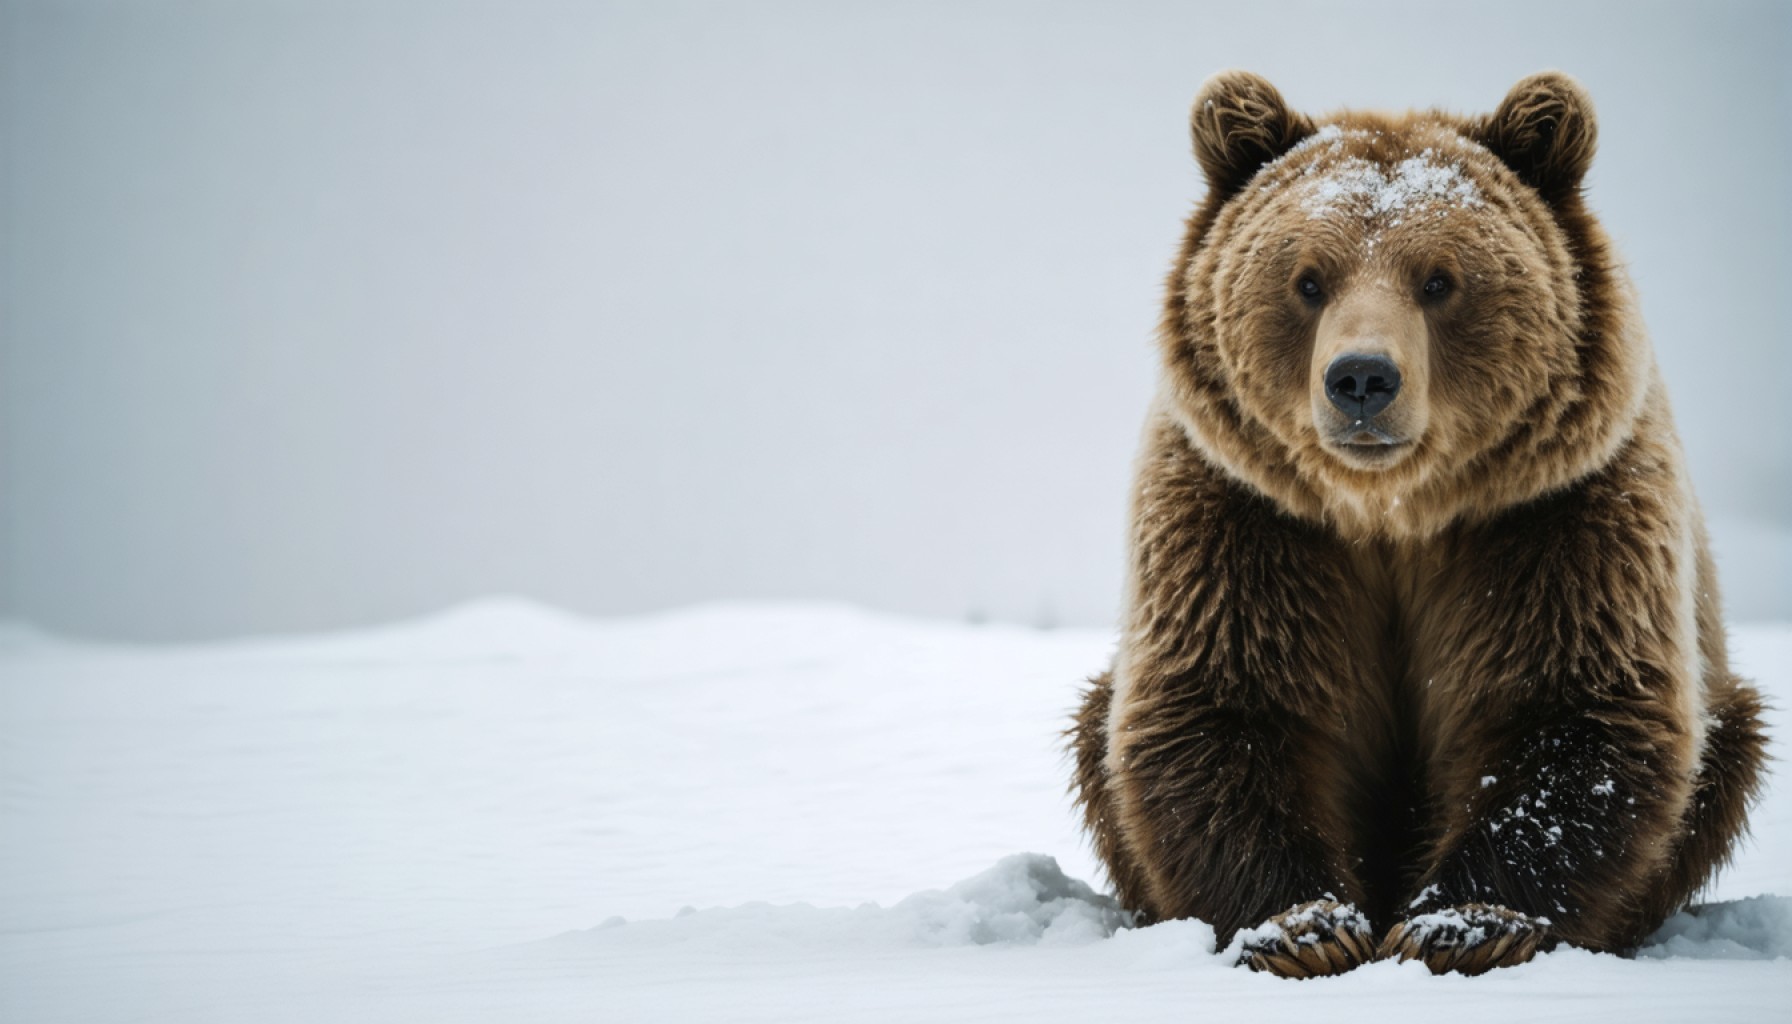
column 314, row 314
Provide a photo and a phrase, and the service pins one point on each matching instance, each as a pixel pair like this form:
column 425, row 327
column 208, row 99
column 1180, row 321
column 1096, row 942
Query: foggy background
column 321, row 314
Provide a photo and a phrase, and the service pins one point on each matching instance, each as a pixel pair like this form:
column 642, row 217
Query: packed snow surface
column 741, row 813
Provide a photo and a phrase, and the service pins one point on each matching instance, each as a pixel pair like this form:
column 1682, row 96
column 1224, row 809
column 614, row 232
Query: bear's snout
column 1369, row 374
column 1362, row 385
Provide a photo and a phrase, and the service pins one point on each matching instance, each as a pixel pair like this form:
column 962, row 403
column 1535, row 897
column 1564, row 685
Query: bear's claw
column 1470, row 939
column 1309, row 940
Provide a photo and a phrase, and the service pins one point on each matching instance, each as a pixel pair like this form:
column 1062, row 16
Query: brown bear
column 1422, row 654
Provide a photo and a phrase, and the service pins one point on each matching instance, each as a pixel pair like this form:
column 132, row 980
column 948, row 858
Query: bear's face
column 1376, row 307
column 1385, row 298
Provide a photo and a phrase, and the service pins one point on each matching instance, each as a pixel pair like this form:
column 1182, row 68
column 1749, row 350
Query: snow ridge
column 1024, row 900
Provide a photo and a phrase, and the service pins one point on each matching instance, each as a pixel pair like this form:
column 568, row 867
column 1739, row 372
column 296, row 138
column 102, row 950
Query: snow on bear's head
column 1388, row 322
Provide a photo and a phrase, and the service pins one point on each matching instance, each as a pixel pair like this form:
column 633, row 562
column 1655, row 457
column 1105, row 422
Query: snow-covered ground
column 733, row 813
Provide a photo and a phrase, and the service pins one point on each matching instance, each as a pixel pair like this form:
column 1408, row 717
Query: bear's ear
column 1544, row 131
column 1240, row 123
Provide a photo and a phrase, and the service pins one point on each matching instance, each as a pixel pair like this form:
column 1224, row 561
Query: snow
column 1330, row 183
column 1757, row 928
column 507, row 812
column 1419, row 182
column 1024, row 900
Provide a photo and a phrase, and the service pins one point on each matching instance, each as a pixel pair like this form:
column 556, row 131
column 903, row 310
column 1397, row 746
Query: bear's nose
column 1362, row 385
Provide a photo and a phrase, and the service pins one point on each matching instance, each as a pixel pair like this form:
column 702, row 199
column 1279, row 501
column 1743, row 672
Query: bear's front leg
column 1228, row 724
column 1559, row 691
column 1559, row 824
column 1224, row 811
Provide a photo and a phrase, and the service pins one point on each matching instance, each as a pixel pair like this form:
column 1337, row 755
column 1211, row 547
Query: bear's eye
column 1436, row 286
column 1309, row 289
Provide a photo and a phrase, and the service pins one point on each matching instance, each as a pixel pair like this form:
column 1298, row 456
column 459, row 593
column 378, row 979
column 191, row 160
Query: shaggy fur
column 1475, row 673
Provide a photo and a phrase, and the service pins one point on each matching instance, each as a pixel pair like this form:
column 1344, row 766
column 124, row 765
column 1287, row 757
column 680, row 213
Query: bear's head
column 1389, row 323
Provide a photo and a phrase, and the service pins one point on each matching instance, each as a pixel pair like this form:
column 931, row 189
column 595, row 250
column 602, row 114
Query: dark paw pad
column 1308, row 940
column 1470, row 939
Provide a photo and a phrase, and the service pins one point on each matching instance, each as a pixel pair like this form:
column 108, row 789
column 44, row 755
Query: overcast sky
column 321, row 314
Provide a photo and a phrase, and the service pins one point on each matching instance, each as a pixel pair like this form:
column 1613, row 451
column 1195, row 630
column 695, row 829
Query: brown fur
column 1481, row 668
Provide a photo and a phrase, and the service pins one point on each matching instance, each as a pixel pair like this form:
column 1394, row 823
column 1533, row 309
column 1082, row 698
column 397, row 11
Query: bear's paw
column 1470, row 939
column 1309, row 940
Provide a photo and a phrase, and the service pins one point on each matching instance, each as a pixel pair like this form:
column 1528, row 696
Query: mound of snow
column 1024, row 900
column 1757, row 928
